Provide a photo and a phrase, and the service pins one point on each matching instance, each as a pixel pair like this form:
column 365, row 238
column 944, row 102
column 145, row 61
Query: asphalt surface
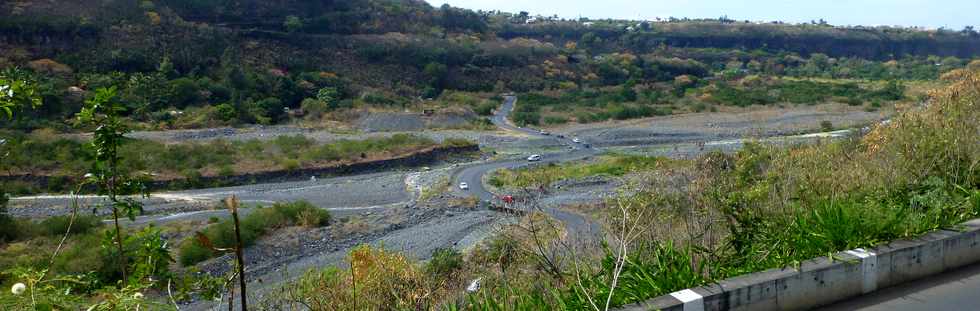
column 473, row 175
column 954, row 290
column 339, row 195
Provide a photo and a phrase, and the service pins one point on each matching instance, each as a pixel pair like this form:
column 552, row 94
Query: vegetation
column 112, row 66
column 760, row 208
column 213, row 63
column 256, row 224
column 47, row 154
column 613, row 165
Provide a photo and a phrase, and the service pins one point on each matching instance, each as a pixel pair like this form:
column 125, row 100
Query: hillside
column 236, row 62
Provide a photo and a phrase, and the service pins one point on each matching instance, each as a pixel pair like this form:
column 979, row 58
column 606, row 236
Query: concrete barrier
column 824, row 280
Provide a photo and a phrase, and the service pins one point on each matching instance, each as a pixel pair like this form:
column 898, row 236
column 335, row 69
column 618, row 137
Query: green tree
column 102, row 111
column 16, row 94
column 226, row 112
column 292, row 23
column 185, row 92
column 436, row 73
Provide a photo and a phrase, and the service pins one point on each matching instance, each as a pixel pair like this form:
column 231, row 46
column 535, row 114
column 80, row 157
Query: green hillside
column 240, row 62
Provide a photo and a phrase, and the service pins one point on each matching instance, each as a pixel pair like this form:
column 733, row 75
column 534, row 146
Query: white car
column 464, row 186
column 534, row 158
column 576, row 140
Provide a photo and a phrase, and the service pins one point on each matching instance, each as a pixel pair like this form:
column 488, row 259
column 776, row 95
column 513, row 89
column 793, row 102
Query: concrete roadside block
column 823, row 280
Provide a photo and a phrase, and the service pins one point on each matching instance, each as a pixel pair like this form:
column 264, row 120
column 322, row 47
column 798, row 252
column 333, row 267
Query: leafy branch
column 103, row 112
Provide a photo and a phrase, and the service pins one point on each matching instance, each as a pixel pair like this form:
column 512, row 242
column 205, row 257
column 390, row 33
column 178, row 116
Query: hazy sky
column 928, row 13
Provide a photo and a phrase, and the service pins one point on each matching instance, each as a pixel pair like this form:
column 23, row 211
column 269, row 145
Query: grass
column 545, row 175
column 257, row 224
column 760, row 208
column 47, row 154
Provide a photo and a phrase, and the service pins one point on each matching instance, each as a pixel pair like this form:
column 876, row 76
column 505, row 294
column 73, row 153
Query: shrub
column 826, row 126
column 524, row 118
column 485, row 108
column 226, row 112
column 314, row 107
column 555, row 120
column 444, row 261
column 384, row 280
column 185, row 92
column 58, row 225
column 253, row 226
column 457, row 142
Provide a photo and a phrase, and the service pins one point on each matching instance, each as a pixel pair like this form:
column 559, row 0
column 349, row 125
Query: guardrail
column 824, row 280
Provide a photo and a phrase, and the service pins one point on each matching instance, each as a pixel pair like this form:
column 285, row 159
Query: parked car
column 576, row 140
column 545, row 133
column 587, row 146
column 464, row 186
column 534, row 158
column 561, row 136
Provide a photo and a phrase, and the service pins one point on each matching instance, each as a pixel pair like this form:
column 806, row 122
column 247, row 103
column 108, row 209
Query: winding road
column 473, row 175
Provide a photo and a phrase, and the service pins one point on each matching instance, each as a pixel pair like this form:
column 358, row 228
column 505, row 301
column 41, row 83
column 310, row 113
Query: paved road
column 473, row 175
column 954, row 290
column 340, row 195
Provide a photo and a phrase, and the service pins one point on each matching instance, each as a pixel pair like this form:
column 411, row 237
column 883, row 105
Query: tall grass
column 257, row 224
column 715, row 217
column 46, row 153
column 776, row 206
column 545, row 175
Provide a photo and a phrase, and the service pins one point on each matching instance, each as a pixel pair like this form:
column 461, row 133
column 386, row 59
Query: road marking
column 869, row 269
column 691, row 299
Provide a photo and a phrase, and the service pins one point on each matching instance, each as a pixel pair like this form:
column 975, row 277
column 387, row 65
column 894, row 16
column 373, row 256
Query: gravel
column 705, row 127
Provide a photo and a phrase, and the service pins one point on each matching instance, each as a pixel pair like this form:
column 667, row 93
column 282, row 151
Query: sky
column 953, row 14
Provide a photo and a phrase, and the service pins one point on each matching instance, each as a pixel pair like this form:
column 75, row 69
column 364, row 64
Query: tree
column 436, row 73
column 185, row 92
column 292, row 23
column 328, row 95
column 16, row 94
column 102, row 111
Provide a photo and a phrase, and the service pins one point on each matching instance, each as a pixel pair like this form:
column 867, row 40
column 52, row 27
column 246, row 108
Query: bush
column 444, row 262
column 552, row 120
column 826, row 126
column 253, row 226
column 524, row 118
column 226, row 112
column 185, row 92
column 485, row 108
column 314, row 107
column 58, row 225
column 457, row 142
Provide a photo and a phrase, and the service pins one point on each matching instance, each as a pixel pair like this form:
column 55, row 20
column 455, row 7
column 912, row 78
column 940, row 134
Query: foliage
column 444, row 262
column 253, row 226
column 544, row 175
column 16, row 93
column 103, row 112
column 378, row 279
column 60, row 156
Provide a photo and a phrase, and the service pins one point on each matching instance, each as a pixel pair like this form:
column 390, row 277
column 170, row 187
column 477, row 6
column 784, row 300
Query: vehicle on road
column 464, row 186
column 576, row 140
column 534, row 158
column 561, row 136
column 587, row 146
column 545, row 133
